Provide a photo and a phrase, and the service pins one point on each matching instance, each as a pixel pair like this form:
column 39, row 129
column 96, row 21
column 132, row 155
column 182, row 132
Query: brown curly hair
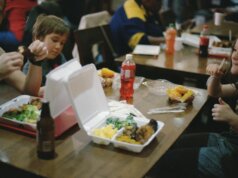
column 47, row 24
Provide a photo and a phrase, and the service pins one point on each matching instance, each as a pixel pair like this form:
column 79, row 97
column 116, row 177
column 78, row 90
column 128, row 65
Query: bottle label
column 45, row 140
column 126, row 74
column 204, row 41
column 47, row 146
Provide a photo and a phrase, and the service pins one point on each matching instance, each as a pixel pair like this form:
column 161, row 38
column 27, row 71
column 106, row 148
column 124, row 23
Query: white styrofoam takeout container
column 16, row 103
column 55, row 90
column 91, row 107
column 64, row 121
column 56, row 93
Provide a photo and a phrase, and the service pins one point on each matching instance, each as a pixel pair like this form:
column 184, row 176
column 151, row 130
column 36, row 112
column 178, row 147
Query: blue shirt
column 131, row 24
column 47, row 66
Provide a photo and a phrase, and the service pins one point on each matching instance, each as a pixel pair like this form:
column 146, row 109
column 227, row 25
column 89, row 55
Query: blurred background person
column 136, row 22
column 13, row 14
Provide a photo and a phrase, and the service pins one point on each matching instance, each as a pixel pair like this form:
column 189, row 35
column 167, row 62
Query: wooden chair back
column 96, row 39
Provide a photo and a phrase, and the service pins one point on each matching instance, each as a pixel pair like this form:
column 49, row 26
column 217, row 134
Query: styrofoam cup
column 178, row 45
column 218, row 18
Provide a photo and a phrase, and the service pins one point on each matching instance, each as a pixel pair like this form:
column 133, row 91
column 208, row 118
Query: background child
column 208, row 154
column 53, row 31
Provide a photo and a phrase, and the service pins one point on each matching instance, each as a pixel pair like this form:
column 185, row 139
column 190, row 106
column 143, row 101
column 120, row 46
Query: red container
column 127, row 78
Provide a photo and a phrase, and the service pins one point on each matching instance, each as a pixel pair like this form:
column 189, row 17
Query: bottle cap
column 129, row 57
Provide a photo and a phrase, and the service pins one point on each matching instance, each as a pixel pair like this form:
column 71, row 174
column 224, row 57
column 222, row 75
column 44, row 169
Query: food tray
column 14, row 104
column 63, row 121
column 124, row 145
column 219, row 52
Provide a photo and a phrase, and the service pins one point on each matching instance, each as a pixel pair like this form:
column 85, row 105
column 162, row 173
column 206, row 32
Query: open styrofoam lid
column 87, row 95
column 55, row 90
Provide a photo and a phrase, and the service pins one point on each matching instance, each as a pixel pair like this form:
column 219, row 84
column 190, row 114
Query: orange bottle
column 170, row 37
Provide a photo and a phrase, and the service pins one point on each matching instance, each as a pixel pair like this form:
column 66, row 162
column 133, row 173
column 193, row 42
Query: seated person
column 14, row 15
column 10, row 69
column 229, row 7
column 47, row 8
column 136, row 22
column 53, row 31
column 208, row 155
column 231, row 10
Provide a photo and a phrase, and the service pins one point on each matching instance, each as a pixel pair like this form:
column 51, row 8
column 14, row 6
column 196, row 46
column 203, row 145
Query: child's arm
column 30, row 83
column 34, row 75
column 214, row 86
column 33, row 80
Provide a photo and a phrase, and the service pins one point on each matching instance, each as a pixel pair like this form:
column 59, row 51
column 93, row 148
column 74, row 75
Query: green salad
column 118, row 123
column 26, row 113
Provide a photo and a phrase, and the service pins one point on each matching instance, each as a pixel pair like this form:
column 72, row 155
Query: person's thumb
column 221, row 101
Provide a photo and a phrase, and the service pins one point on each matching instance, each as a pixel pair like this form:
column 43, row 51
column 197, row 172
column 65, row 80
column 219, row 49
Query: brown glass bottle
column 45, row 134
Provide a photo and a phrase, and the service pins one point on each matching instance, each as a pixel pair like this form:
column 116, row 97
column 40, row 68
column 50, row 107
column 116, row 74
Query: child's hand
column 217, row 70
column 214, row 70
column 39, row 50
column 223, row 112
column 41, row 92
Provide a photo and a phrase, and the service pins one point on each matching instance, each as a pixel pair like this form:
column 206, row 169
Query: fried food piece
column 181, row 89
column 172, row 93
column 188, row 96
column 36, row 102
column 180, row 94
column 127, row 139
column 26, row 52
column 106, row 77
column 146, row 131
column 107, row 73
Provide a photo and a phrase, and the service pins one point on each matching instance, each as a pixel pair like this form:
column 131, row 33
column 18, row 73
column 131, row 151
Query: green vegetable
column 26, row 113
column 117, row 123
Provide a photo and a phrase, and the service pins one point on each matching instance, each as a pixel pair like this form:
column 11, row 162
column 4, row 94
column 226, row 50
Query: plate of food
column 180, row 94
column 220, row 49
column 107, row 76
column 23, row 110
column 129, row 132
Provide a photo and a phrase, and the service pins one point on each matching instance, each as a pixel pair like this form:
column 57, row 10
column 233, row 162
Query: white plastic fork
column 166, row 111
column 175, row 108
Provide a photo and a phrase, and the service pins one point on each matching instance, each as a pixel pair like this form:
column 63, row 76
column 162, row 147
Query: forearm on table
column 17, row 80
column 33, row 80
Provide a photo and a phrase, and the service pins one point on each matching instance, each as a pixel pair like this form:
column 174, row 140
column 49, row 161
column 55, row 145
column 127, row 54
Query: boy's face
column 54, row 43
